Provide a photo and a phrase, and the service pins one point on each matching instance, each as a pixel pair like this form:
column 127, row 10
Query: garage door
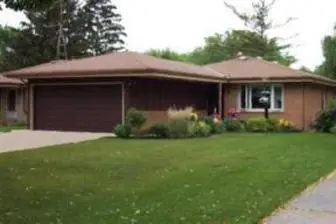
column 94, row 108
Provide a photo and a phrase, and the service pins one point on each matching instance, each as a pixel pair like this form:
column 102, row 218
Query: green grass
column 12, row 127
column 233, row 178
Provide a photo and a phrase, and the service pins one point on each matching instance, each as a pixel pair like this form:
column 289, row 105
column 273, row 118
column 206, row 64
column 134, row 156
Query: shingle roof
column 248, row 68
column 9, row 81
column 116, row 63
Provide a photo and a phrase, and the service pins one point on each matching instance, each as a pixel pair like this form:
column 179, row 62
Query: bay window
column 250, row 95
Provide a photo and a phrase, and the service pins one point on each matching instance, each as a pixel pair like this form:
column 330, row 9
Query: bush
column 257, row 124
column 160, row 130
column 333, row 129
column 181, row 128
column 273, row 125
column 135, row 119
column 201, row 129
column 286, row 126
column 233, row 125
column 324, row 122
column 216, row 127
column 122, row 130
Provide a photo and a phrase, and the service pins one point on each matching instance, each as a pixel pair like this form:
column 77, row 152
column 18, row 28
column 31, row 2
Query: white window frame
column 248, row 98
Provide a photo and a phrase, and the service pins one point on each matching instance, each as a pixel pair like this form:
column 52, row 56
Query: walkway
column 314, row 206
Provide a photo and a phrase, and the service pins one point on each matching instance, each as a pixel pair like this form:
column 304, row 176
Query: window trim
column 248, row 99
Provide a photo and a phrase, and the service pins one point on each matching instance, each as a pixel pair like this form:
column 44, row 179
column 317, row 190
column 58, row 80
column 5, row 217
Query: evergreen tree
column 102, row 27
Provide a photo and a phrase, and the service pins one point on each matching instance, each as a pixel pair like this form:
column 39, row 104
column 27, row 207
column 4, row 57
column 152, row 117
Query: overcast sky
column 182, row 24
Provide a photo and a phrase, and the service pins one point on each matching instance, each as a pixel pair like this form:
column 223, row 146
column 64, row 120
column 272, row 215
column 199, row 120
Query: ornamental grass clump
column 181, row 124
column 180, row 114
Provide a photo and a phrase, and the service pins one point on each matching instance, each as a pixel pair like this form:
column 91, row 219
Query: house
column 295, row 95
column 11, row 100
column 93, row 94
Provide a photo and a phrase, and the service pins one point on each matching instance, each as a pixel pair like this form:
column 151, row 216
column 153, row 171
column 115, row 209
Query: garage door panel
column 78, row 108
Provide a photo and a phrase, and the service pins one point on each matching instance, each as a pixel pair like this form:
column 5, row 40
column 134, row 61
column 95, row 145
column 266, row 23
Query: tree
column 305, row 69
column 328, row 67
column 259, row 20
column 222, row 47
column 36, row 41
column 259, row 23
column 26, row 4
column 102, row 29
column 168, row 54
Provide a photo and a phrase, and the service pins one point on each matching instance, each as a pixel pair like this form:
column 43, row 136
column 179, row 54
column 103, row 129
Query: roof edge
column 141, row 73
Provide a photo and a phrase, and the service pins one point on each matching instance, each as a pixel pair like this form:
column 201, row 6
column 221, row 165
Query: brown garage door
column 95, row 108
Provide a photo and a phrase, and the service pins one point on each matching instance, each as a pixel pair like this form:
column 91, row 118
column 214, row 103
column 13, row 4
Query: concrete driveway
column 26, row 139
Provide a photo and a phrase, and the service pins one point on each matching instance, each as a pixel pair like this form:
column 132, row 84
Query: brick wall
column 302, row 103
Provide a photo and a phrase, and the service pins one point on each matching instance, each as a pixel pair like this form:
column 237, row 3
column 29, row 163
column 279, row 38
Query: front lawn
column 232, row 178
column 12, row 127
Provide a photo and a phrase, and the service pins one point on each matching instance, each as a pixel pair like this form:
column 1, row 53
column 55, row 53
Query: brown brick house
column 93, row 94
column 11, row 100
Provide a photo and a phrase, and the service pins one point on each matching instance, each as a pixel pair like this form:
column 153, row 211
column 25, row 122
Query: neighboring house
column 11, row 100
column 93, row 94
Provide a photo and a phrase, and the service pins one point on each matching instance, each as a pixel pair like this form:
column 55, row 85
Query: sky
column 182, row 25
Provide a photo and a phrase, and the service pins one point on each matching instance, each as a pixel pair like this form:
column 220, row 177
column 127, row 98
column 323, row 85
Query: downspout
column 220, row 99
column 303, row 107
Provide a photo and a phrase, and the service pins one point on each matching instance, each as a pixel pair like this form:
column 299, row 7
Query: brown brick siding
column 302, row 103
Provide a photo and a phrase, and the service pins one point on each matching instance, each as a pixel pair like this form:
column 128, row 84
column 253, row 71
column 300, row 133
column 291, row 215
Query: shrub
column 257, row 124
column 333, row 129
column 273, row 125
column 201, row 129
column 135, row 118
column 181, row 128
column 122, row 130
column 233, row 125
column 160, row 130
column 180, row 114
column 324, row 121
column 216, row 126
column 286, row 126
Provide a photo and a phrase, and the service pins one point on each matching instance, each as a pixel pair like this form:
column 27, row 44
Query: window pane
column 256, row 92
column 11, row 100
column 243, row 97
column 278, row 97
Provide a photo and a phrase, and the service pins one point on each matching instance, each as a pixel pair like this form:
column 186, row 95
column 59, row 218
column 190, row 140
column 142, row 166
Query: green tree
column 259, row 23
column 328, row 67
column 305, row 69
column 36, row 41
column 167, row 54
column 102, row 27
column 222, row 47
column 259, row 20
column 26, row 4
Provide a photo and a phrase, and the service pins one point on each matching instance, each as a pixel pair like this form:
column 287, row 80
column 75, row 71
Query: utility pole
column 62, row 52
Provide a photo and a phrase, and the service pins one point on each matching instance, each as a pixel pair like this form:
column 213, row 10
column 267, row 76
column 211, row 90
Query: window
column 11, row 100
column 250, row 95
